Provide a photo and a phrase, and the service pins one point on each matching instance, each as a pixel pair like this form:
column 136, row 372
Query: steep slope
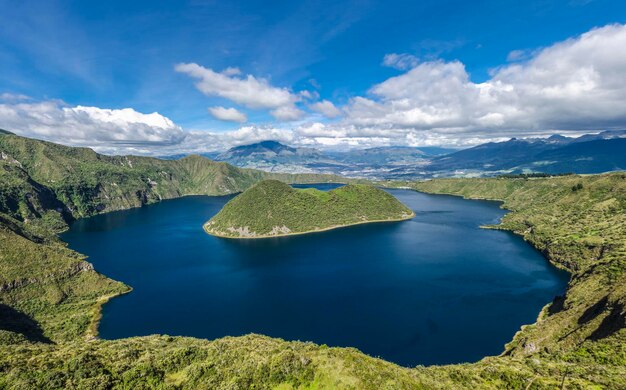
column 579, row 223
column 88, row 183
column 272, row 208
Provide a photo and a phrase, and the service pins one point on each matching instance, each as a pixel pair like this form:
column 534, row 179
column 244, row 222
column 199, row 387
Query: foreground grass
column 255, row 361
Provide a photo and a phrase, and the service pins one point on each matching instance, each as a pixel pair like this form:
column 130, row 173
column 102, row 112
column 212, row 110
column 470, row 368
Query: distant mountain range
column 277, row 157
column 590, row 153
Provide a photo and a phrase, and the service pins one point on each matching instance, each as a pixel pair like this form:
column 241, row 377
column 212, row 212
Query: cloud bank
column 577, row 84
column 88, row 126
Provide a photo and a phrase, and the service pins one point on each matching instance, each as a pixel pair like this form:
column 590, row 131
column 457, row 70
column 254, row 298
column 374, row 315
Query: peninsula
column 272, row 208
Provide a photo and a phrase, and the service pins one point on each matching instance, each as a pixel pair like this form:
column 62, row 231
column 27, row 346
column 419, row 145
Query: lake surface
column 436, row 289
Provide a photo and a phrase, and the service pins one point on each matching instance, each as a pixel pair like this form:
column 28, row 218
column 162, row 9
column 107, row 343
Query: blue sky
column 123, row 55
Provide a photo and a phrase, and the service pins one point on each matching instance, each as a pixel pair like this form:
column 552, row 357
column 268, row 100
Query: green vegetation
column 88, row 183
column 50, row 295
column 579, row 224
column 531, row 175
column 272, row 208
column 48, row 292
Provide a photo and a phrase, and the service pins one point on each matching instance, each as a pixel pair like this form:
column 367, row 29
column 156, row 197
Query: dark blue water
column 435, row 289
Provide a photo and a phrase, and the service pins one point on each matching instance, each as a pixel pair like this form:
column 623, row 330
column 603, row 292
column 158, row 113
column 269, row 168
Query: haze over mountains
column 590, row 153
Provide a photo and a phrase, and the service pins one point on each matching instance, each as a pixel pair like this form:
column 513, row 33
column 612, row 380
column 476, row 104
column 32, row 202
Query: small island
column 272, row 208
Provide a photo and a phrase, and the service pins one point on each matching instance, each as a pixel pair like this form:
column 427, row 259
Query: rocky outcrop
column 81, row 266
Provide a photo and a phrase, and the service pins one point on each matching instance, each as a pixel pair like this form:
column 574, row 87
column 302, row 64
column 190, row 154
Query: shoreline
column 93, row 330
column 204, row 227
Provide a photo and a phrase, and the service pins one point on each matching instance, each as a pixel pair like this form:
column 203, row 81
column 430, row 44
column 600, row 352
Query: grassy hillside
column 272, row 208
column 260, row 362
column 88, row 183
column 50, row 295
column 579, row 224
column 48, row 292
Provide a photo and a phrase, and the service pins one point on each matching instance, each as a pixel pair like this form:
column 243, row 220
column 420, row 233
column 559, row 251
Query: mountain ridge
column 404, row 162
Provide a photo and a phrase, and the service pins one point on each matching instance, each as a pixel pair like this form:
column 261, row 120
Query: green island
column 272, row 208
column 50, row 296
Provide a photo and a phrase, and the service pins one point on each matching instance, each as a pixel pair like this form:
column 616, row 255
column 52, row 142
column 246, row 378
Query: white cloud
column 518, row 55
column 401, row 61
column 571, row 87
column 287, row 113
column 231, row 71
column 310, row 95
column 249, row 91
column 13, row 97
column 88, row 126
column 577, row 84
column 228, row 114
column 326, row 108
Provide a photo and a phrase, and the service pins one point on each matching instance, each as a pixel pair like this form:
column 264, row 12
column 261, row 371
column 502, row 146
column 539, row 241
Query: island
column 272, row 208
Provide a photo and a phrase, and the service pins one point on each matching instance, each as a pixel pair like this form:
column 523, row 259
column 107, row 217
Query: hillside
column 50, row 295
column 579, row 224
column 272, row 208
column 88, row 183
column 48, row 292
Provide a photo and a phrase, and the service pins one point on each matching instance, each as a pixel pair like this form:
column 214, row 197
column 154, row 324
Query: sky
column 170, row 77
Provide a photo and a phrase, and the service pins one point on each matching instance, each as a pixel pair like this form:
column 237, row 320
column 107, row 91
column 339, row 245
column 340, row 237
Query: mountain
column 388, row 155
column 273, row 156
column 600, row 155
column 555, row 154
column 272, row 208
column 592, row 153
column 268, row 151
column 372, row 163
column 87, row 183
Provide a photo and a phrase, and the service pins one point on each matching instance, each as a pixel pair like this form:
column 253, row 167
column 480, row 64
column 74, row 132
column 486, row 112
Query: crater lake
column 436, row 289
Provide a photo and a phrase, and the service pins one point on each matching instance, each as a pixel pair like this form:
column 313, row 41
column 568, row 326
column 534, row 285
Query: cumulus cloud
column 88, row 126
column 228, row 114
column 249, row 91
column 571, row 87
column 310, row 95
column 518, row 55
column 576, row 84
column 401, row 61
column 326, row 108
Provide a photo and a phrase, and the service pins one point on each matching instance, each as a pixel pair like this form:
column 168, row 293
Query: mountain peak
column 262, row 147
